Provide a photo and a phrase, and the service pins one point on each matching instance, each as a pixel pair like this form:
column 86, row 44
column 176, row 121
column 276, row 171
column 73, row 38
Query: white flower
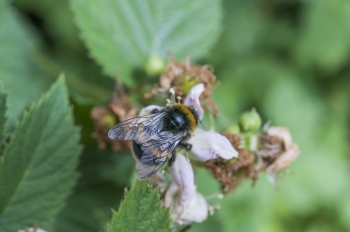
column 186, row 204
column 192, row 99
column 209, row 145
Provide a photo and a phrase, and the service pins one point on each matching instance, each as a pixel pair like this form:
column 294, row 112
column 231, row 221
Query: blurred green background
column 289, row 59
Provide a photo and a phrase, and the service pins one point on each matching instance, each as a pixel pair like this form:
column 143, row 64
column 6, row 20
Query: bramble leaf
column 122, row 34
column 3, row 118
column 18, row 74
column 39, row 162
column 103, row 177
column 67, row 55
column 141, row 210
column 325, row 36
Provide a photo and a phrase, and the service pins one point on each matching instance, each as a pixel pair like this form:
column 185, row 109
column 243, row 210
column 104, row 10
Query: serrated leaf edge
column 148, row 186
column 35, row 105
column 3, row 133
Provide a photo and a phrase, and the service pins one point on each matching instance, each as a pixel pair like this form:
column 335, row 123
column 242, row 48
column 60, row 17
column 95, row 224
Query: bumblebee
column 157, row 136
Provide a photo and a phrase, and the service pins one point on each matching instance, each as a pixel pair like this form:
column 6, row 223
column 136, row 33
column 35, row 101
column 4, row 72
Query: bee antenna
column 201, row 124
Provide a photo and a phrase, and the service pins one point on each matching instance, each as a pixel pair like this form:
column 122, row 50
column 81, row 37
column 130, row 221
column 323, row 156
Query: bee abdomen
column 146, row 157
column 136, row 148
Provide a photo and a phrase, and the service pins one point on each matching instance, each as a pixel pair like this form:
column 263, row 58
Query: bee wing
column 156, row 152
column 158, row 149
column 144, row 171
column 138, row 128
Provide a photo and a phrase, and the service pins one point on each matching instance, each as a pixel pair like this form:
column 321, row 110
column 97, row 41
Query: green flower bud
column 186, row 84
column 234, row 129
column 155, row 66
column 250, row 120
column 110, row 120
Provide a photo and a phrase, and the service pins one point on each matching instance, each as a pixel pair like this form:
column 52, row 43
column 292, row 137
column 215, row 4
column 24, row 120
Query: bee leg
column 184, row 144
column 187, row 146
column 155, row 110
column 172, row 158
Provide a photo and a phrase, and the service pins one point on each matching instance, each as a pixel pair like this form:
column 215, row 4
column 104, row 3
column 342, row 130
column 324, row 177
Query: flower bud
column 154, row 66
column 234, row 129
column 186, row 83
column 250, row 120
column 110, row 120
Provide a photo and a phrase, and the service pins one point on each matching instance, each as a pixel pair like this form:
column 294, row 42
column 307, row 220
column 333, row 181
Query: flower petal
column 195, row 211
column 209, row 145
column 186, row 205
column 192, row 99
column 285, row 159
column 183, row 175
column 171, row 195
column 148, row 109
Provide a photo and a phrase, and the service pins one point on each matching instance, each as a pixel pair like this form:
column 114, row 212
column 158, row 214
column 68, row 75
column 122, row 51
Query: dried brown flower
column 182, row 76
column 276, row 152
column 232, row 172
column 104, row 118
column 270, row 147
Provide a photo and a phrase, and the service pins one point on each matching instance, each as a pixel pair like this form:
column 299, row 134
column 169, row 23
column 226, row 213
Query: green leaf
column 3, row 118
column 38, row 168
column 20, row 78
column 89, row 208
column 67, row 53
column 325, row 35
column 141, row 210
column 103, row 177
column 122, row 34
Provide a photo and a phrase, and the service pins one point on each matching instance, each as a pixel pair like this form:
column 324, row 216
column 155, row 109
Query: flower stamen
column 213, row 208
column 172, row 96
column 179, row 99
column 218, row 195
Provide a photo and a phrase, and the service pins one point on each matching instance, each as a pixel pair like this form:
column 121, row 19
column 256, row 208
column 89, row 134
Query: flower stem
column 211, row 122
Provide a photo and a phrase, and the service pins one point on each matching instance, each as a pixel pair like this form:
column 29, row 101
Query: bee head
column 172, row 101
